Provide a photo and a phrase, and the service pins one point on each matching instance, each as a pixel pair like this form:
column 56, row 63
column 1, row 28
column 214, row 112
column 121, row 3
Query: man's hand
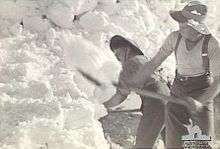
column 211, row 92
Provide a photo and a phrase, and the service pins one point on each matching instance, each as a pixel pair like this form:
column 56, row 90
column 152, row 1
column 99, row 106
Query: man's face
column 120, row 54
column 188, row 32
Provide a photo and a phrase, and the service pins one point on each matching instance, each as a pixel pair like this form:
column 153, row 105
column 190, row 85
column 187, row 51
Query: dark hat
column 118, row 41
column 194, row 14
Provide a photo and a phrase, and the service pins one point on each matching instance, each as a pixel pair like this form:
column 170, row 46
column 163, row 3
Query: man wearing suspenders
column 197, row 55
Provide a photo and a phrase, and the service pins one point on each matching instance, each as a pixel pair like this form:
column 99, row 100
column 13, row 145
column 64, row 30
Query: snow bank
column 44, row 101
column 48, row 125
column 41, row 106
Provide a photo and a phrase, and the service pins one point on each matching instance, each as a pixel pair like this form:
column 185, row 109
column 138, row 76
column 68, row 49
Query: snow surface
column 44, row 102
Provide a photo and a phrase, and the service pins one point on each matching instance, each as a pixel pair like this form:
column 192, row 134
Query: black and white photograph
column 109, row 74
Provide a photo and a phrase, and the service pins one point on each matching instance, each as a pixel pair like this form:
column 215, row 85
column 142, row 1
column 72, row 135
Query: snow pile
column 67, row 130
column 44, row 101
column 41, row 106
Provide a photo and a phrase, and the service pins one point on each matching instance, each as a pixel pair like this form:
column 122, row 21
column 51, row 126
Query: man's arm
column 166, row 49
column 210, row 92
column 120, row 95
column 214, row 56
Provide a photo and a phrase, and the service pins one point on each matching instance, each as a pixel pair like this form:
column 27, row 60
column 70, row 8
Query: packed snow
column 45, row 103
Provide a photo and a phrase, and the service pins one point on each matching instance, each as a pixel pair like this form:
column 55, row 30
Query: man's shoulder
column 213, row 40
column 174, row 35
column 213, row 43
column 135, row 63
column 131, row 66
column 170, row 41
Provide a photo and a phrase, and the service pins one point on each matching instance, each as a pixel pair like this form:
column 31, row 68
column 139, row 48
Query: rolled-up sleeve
column 169, row 44
column 166, row 49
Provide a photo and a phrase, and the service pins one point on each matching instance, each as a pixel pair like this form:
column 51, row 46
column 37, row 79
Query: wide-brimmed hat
column 118, row 41
column 194, row 13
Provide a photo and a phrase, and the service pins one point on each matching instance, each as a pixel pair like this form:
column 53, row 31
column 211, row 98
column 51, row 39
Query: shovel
column 192, row 104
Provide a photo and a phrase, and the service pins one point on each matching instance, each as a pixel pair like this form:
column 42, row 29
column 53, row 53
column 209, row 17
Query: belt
column 185, row 78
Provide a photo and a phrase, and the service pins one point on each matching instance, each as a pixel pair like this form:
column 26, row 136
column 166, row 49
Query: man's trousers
column 152, row 121
column 178, row 117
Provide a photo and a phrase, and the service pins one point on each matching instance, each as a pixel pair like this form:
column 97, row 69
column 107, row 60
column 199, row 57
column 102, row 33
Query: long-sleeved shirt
column 129, row 69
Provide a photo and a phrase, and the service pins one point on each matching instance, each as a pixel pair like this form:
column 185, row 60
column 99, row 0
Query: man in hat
column 197, row 55
column 153, row 110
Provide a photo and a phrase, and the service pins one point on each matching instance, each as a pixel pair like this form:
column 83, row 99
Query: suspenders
column 205, row 55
